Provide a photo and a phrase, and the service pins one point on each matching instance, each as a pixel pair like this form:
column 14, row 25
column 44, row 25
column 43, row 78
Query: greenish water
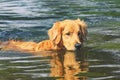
column 29, row 20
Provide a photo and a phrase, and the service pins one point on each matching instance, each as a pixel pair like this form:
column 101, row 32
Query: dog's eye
column 79, row 33
column 68, row 33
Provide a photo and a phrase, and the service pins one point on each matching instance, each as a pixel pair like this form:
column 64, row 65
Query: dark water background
column 29, row 20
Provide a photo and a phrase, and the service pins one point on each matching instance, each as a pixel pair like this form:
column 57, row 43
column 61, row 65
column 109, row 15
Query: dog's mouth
column 74, row 48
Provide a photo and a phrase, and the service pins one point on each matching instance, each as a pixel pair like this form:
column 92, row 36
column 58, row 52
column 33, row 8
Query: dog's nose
column 78, row 45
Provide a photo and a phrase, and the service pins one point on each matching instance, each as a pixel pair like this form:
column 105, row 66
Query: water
column 29, row 20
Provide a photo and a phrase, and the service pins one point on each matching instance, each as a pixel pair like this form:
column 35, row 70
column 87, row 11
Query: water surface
column 29, row 20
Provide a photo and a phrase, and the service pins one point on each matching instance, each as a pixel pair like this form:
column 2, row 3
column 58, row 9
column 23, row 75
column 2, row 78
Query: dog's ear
column 83, row 28
column 55, row 33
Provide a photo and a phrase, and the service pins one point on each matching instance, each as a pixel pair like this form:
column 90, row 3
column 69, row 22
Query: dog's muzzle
column 78, row 45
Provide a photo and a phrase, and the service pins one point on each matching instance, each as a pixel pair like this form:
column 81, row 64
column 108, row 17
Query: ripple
column 29, row 61
column 107, row 65
column 34, row 75
column 19, row 58
column 35, row 70
column 107, row 77
column 22, row 67
column 118, row 71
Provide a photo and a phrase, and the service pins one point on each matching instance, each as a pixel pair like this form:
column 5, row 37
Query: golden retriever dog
column 66, row 34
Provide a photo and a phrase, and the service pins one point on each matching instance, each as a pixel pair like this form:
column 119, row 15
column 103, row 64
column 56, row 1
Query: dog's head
column 69, row 34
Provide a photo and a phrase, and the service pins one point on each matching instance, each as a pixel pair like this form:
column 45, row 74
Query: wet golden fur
column 63, row 35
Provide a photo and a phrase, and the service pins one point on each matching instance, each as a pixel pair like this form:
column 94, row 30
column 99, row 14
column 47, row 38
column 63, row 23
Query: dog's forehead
column 71, row 26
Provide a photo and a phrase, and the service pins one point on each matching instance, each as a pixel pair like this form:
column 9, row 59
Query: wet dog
column 66, row 34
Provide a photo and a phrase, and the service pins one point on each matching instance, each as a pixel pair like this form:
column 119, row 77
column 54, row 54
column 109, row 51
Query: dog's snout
column 77, row 45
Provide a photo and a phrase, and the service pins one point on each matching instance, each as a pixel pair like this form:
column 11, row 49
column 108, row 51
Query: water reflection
column 66, row 64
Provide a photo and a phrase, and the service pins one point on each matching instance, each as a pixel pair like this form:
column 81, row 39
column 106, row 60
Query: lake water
column 29, row 20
